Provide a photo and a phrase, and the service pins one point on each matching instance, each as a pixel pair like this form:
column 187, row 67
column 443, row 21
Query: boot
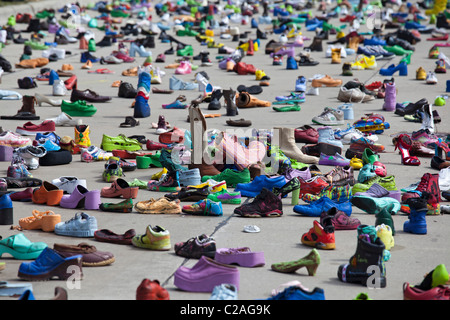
column 246, row 100
column 290, row 149
column 141, row 106
column 82, row 135
column 215, row 100
column 92, row 47
column 385, row 217
column 34, row 26
column 230, row 101
column 316, row 45
column 369, row 253
column 27, row 112
column 390, row 97
column 417, row 222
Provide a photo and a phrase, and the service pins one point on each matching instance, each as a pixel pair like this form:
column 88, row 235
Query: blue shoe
column 414, row 25
column 141, row 107
column 314, row 209
column 300, row 84
column 280, row 29
column 48, row 136
column 225, row 291
column 50, row 264
column 6, row 210
column 254, row 23
column 85, row 56
column 205, row 207
column 190, row 177
column 52, row 77
column 291, row 63
column 402, row 67
column 252, row 189
column 417, row 222
column 81, row 225
column 49, row 145
column 177, row 104
column 374, row 41
column 299, row 293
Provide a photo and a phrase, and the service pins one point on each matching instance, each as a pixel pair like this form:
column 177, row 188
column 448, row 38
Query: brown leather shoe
column 87, row 95
column 105, row 235
column 91, row 257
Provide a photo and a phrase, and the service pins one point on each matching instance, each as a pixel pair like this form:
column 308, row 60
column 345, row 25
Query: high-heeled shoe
column 43, row 99
column 404, row 144
column 402, row 67
column 310, row 262
column 442, row 150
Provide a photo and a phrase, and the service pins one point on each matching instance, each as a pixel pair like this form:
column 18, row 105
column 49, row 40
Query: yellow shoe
column 158, row 175
column 244, row 46
column 336, row 55
column 213, row 186
column 384, row 232
column 259, row 74
column 213, row 44
column 356, row 163
column 209, row 33
column 363, row 62
column 421, row 74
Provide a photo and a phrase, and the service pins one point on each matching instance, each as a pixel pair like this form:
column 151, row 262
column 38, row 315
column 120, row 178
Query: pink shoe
column 123, row 56
column 243, row 257
column 184, row 68
column 205, row 275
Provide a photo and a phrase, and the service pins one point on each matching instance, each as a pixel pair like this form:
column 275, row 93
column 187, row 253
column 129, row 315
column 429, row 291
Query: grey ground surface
column 279, row 239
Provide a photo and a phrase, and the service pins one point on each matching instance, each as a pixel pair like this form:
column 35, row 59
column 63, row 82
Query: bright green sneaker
column 225, row 197
column 119, row 14
column 44, row 14
column 119, row 143
column 11, row 21
column 155, row 238
column 232, row 177
column 363, row 187
column 36, row 45
column 397, row 50
column 78, row 108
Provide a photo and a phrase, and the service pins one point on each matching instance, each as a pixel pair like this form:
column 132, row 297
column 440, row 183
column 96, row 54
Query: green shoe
column 112, row 172
column 412, row 118
column 119, row 143
column 147, row 161
column 21, row 248
column 362, row 296
column 295, row 107
column 407, row 58
column 93, row 23
column 363, row 187
column 186, row 51
column 297, row 164
column 232, row 177
column 141, row 184
column 125, row 206
column 36, row 45
column 44, row 14
column 369, row 156
column 119, row 14
column 397, row 50
column 225, row 197
column 311, row 262
column 78, row 108
column 91, row 45
column 439, row 101
column 155, row 238
column 11, row 21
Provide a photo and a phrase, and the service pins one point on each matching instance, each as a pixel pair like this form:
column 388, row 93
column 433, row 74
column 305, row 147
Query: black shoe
column 126, row 90
column 105, row 42
column 27, row 83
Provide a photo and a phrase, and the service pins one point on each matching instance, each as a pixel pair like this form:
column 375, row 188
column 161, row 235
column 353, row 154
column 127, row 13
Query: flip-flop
column 212, row 115
column 251, row 229
column 101, row 71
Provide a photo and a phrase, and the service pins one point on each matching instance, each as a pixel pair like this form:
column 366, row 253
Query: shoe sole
column 320, row 245
column 99, row 264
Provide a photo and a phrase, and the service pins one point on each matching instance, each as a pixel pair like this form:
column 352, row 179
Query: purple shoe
column 377, row 191
column 205, row 275
column 243, row 257
column 82, row 197
column 303, row 173
column 336, row 160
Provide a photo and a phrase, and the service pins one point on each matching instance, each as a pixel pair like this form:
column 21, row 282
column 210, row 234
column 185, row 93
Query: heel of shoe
column 312, row 269
column 92, row 200
column 71, row 267
column 49, row 222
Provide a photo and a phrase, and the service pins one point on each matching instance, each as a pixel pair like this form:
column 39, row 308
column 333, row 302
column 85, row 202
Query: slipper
column 255, row 89
column 251, row 229
column 130, row 122
column 239, row 123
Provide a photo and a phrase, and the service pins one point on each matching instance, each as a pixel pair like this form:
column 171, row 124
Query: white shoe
column 110, row 60
column 431, row 78
column 312, row 91
column 64, row 120
column 60, row 53
column 68, row 184
column 445, row 58
column 59, row 88
column 444, row 179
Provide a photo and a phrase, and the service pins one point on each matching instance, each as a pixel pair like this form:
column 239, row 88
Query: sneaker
column 151, row 290
column 330, row 117
column 340, row 220
column 225, row 197
column 321, row 235
column 312, row 186
column 81, row 225
column 224, row 291
column 205, row 207
column 231, row 177
column 431, row 78
column 168, row 182
column 340, row 176
column 336, row 160
column 266, row 204
column 197, row 247
column 155, row 238
column 336, row 193
column 92, row 153
column 112, row 172
column 253, row 188
column 315, row 209
column 9, row 138
column 160, row 206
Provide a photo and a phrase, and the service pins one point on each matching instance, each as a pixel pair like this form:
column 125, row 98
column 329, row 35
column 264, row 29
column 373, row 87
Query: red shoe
column 31, row 128
column 119, row 188
column 320, row 236
column 312, row 186
column 404, row 144
column 436, row 293
column 173, row 136
column 347, row 18
column 151, row 290
column 24, row 195
column 152, row 145
column 123, row 56
column 441, row 38
column 240, row 68
column 71, row 83
column 374, row 85
column 124, row 154
column 306, row 134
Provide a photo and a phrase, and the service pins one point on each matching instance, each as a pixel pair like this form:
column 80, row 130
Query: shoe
column 232, row 177
column 32, row 129
column 353, row 95
column 81, row 197
column 416, row 223
column 336, row 160
column 78, row 108
column 242, row 256
column 266, row 204
column 11, row 139
column 167, row 183
column 48, row 194
column 125, row 206
column 205, row 275
column 321, row 235
column 151, row 290
column 119, row 188
column 402, row 68
column 298, row 292
column 160, row 206
column 112, row 172
column 340, row 220
column 64, row 120
column 204, row 207
column 421, row 74
column 119, row 143
column 105, row 235
column 315, row 208
column 21, row 248
column 50, row 264
column 326, row 81
column 224, row 291
column 310, row 262
column 330, row 117
column 384, row 232
column 436, row 293
column 68, row 184
column 404, row 144
column 92, row 153
column 225, row 197
column 155, row 238
column 91, row 257
column 253, row 188
column 197, row 247
column 88, row 96
column 81, row 225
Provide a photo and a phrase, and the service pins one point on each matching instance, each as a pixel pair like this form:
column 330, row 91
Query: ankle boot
column 215, row 100
column 369, row 253
column 28, row 105
column 287, row 144
column 246, row 100
column 390, row 97
column 316, row 45
column 230, row 101
column 417, row 222
column 82, row 135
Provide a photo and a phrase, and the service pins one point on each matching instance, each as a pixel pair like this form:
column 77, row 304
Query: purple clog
column 243, row 257
column 205, row 275
column 82, row 197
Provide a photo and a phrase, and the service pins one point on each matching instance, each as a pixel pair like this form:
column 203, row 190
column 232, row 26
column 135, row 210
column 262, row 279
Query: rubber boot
column 360, row 269
column 82, row 135
column 141, row 106
column 230, row 101
column 287, row 144
column 390, row 98
column 385, row 217
column 417, row 222
column 246, row 100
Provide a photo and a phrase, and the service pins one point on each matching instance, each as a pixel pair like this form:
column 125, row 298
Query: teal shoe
column 376, row 205
column 21, row 248
column 205, row 207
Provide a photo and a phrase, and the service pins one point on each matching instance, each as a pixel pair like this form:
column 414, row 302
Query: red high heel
column 404, row 144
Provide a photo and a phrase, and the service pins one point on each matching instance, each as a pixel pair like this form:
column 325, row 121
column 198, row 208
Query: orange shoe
column 116, row 84
column 48, row 194
column 320, row 236
column 132, row 72
column 87, row 65
column 326, row 81
column 66, row 67
column 45, row 221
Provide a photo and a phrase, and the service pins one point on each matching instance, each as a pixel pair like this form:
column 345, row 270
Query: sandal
column 130, row 122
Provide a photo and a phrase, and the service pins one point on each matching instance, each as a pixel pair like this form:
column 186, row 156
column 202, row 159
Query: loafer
column 87, row 95
column 48, row 194
column 205, row 275
column 105, row 235
column 119, row 188
column 21, row 248
column 50, row 264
